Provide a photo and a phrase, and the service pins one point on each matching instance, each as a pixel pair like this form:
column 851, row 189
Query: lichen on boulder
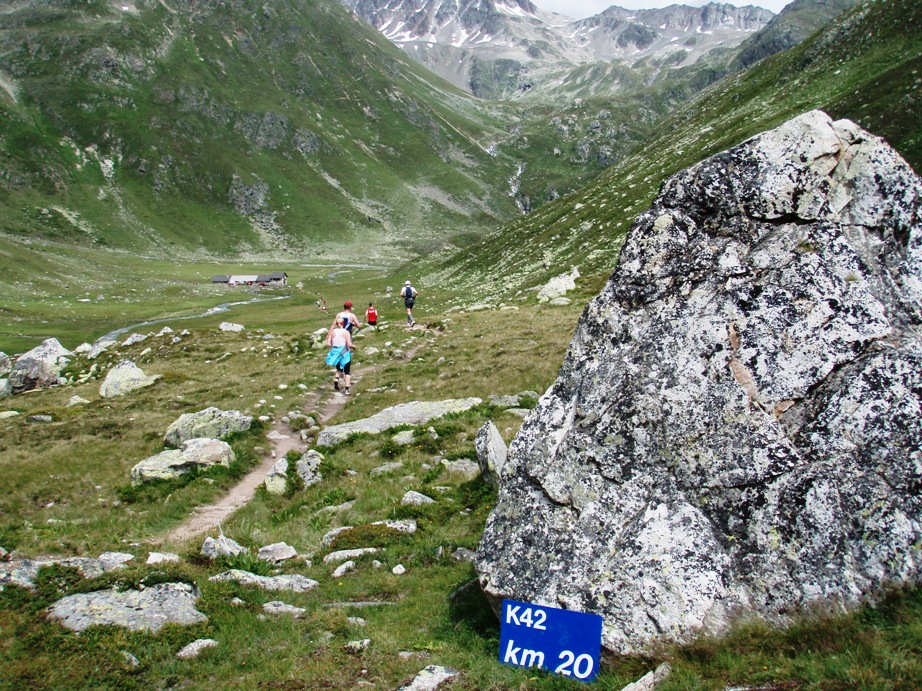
column 735, row 428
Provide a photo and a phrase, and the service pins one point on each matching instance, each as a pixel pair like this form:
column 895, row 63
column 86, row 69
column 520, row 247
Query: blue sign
column 559, row 640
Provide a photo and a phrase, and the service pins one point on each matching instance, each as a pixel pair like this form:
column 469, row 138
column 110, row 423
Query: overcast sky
column 578, row 9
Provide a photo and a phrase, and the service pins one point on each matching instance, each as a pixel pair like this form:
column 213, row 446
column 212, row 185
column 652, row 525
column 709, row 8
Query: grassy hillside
column 234, row 128
column 864, row 67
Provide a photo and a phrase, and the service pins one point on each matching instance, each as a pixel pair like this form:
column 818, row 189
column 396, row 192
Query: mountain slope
column 864, row 66
column 232, row 128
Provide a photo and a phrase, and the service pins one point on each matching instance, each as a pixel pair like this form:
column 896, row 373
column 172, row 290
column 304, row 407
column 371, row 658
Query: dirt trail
column 205, row 519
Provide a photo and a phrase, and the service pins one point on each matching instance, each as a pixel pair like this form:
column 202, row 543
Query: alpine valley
column 664, row 364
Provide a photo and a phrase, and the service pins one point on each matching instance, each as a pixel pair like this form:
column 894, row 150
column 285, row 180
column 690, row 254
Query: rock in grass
column 276, row 552
column 40, row 367
column 462, row 466
column 356, row 647
column 308, row 467
column 735, row 429
column 391, row 467
column 558, row 286
column 294, row 582
column 137, row 610
column 414, row 498
column 404, row 438
column 210, row 422
column 413, row 413
column 343, row 569
column 491, row 451
column 276, row 481
column 343, row 554
column 195, row 648
column 172, row 463
column 278, row 607
column 6, row 363
column 650, row 680
column 6, row 389
column 162, row 558
column 430, row 678
column 124, row 378
column 23, row 572
column 222, row 546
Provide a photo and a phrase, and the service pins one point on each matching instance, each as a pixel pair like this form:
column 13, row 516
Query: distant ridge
column 456, row 39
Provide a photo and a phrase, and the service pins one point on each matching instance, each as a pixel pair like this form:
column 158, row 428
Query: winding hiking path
column 210, row 517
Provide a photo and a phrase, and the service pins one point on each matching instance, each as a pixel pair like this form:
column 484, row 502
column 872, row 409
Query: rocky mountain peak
column 515, row 36
column 735, row 429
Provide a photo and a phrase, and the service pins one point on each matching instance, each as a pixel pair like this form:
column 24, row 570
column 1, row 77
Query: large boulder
column 6, row 364
column 211, row 422
column 735, row 428
column 124, row 378
column 413, row 413
column 195, row 454
column 40, row 367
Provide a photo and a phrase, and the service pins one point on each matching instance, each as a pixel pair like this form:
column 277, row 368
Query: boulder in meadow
column 735, row 429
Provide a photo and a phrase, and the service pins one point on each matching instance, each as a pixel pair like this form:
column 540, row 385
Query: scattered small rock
column 293, row 582
column 344, row 554
column 356, row 647
column 431, row 678
column 344, row 568
column 195, row 647
column 222, row 546
column 413, row 498
column 278, row 607
column 277, row 552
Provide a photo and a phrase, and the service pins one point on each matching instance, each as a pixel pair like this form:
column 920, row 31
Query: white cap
column 407, row 283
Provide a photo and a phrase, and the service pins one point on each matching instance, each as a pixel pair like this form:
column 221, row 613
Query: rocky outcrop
column 23, row 572
column 40, row 367
column 735, row 429
column 414, row 413
column 211, row 422
column 124, row 378
column 195, row 454
column 137, row 610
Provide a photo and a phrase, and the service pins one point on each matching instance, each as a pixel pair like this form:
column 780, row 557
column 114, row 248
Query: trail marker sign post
column 559, row 640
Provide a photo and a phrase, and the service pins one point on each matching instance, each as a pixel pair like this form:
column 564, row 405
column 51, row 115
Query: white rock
column 413, row 498
column 430, row 678
column 343, row 569
column 195, row 648
column 277, row 552
column 278, row 607
column 344, row 554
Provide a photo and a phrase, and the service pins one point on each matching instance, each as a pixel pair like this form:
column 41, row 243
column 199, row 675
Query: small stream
column 217, row 309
